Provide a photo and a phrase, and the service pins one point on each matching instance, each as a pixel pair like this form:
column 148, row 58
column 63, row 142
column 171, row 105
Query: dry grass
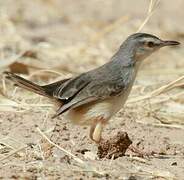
column 163, row 92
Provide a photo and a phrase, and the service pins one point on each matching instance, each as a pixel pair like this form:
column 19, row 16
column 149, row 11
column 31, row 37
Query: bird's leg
column 96, row 129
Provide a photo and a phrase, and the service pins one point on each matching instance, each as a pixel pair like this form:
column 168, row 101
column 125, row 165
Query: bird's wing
column 50, row 88
column 67, row 91
column 90, row 92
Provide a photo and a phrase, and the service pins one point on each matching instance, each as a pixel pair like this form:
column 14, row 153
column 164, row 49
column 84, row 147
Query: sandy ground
column 69, row 37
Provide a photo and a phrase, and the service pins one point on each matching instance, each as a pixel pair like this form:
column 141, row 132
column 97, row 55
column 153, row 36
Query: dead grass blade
column 152, row 6
column 163, row 125
column 45, row 71
column 13, row 152
column 78, row 160
column 60, row 148
column 156, row 173
column 14, row 145
column 161, row 90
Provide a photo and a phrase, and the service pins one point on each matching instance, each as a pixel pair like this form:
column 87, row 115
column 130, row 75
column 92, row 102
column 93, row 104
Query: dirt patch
column 114, row 147
column 50, row 40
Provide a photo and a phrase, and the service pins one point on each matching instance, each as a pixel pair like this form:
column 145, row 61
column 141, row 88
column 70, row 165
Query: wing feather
column 91, row 93
column 69, row 90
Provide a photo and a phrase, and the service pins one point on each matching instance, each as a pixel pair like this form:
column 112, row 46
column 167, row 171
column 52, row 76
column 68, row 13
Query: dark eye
column 150, row 44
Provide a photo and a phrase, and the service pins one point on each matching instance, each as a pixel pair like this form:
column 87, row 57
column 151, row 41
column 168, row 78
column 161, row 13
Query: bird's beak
column 170, row 43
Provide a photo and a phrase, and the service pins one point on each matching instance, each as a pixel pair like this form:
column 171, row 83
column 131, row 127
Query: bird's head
column 141, row 45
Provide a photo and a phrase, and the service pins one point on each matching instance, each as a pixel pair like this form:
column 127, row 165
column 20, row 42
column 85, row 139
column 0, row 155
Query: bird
column 94, row 97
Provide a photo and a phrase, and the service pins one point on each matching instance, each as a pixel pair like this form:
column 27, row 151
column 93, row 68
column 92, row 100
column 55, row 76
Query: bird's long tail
column 26, row 84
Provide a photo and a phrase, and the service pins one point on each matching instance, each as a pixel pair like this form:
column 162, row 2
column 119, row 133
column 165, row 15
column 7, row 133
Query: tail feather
column 26, row 84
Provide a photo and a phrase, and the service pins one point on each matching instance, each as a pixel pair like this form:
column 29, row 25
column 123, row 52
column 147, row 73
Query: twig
column 60, row 148
column 152, row 6
column 163, row 125
column 45, row 71
column 12, row 153
column 156, row 92
column 167, row 87
column 80, row 161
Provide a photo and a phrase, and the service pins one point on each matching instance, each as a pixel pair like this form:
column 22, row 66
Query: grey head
column 138, row 46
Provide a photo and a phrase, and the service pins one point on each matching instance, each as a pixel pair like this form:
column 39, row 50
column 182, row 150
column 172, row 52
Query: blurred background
column 74, row 36
column 47, row 40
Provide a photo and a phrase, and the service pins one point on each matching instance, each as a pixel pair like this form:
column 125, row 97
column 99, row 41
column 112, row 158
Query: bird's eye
column 150, row 44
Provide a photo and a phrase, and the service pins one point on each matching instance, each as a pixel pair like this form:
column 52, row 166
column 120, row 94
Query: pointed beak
column 170, row 43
